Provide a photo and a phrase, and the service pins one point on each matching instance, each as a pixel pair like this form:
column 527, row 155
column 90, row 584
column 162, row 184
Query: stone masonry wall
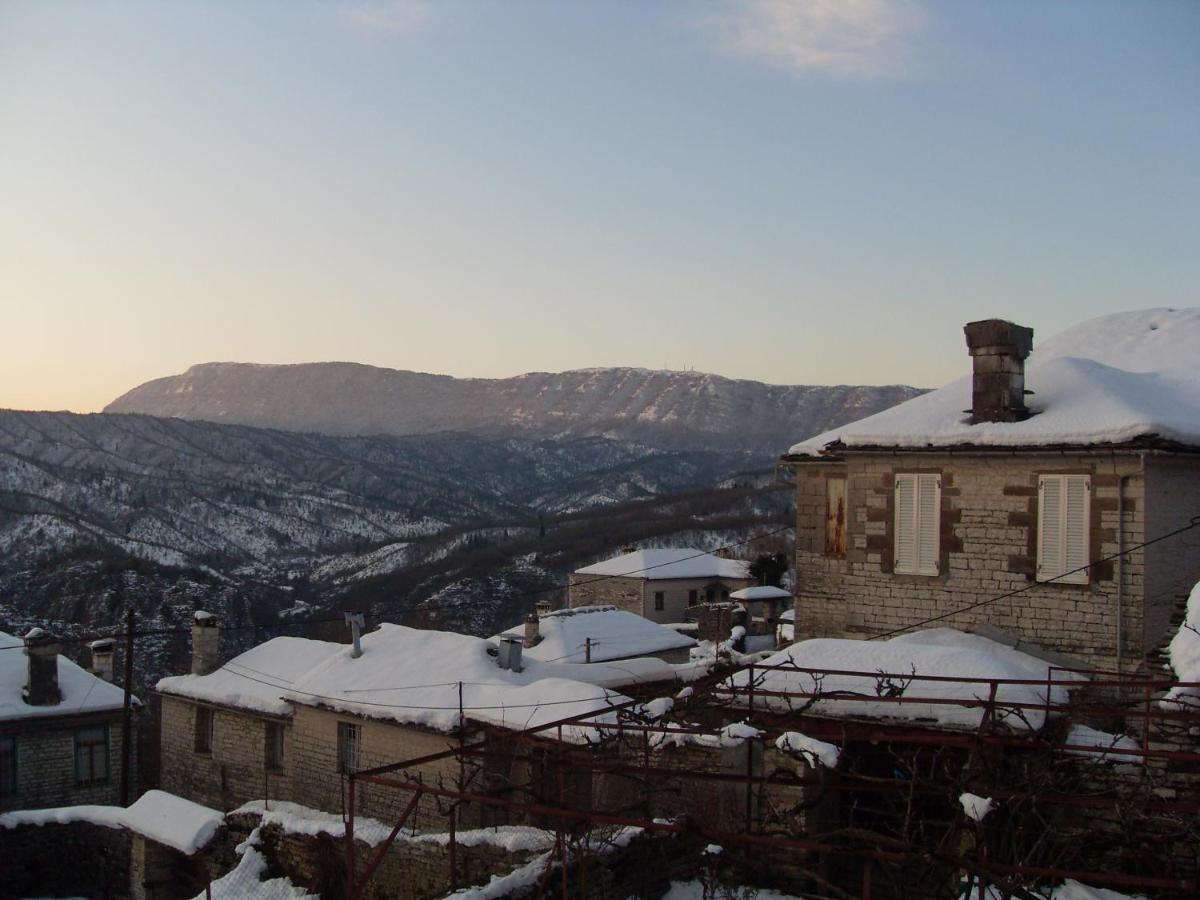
column 637, row 594
column 588, row 590
column 235, row 771
column 79, row 859
column 46, row 762
column 319, row 785
column 989, row 521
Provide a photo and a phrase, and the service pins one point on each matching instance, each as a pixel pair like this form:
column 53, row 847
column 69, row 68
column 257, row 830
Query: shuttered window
column 918, row 505
column 1064, row 514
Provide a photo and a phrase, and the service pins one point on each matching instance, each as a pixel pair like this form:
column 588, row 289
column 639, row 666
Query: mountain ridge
column 665, row 408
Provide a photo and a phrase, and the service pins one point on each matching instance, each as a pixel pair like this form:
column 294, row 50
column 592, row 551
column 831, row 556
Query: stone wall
column 46, row 762
column 989, row 522
column 590, row 590
column 235, row 771
column 79, row 859
column 1173, row 566
column 318, row 783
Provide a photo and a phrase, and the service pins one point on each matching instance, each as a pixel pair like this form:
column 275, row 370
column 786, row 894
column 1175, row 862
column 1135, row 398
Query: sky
column 793, row 191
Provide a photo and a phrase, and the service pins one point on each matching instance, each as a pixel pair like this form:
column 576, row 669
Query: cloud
column 839, row 38
column 387, row 16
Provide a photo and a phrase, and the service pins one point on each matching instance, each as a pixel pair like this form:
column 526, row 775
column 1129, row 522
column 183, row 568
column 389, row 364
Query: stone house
column 663, row 585
column 60, row 726
column 594, row 634
column 925, row 511
column 290, row 718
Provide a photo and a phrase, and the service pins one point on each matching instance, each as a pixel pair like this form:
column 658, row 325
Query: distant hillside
column 658, row 408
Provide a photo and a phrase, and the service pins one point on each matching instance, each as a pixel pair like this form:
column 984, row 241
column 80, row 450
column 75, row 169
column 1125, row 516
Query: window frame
column 693, row 597
column 1058, row 528
column 349, row 747
column 205, row 729
column 922, row 525
column 273, row 745
column 9, row 773
column 97, row 770
column 660, row 601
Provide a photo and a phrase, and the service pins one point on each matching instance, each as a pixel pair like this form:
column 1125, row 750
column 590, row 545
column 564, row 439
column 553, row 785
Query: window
column 693, row 598
column 349, row 741
column 1064, row 514
column 273, row 749
column 204, row 729
column 659, row 599
column 835, row 518
column 91, row 755
column 8, row 766
column 918, row 520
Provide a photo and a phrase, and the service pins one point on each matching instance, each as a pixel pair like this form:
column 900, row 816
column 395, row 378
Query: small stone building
column 60, row 726
column 663, row 585
column 927, row 511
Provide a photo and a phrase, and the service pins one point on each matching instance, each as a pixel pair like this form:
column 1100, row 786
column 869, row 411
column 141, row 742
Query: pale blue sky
column 797, row 192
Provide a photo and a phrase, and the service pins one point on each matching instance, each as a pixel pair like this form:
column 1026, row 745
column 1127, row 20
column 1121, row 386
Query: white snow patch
column 614, row 634
column 1184, row 651
column 813, row 751
column 736, row 733
column 81, row 690
column 669, row 562
column 1104, row 742
column 974, row 806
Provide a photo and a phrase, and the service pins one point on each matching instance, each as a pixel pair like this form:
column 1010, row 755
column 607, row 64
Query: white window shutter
column 929, row 504
column 1064, row 520
column 906, row 524
column 1076, row 509
column 917, row 523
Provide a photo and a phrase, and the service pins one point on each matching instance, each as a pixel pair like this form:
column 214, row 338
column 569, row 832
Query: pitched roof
column 412, row 676
column 614, row 633
column 668, row 562
column 1108, row 380
column 82, row 692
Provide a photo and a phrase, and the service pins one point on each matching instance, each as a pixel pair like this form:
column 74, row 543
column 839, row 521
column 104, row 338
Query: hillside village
column 979, row 676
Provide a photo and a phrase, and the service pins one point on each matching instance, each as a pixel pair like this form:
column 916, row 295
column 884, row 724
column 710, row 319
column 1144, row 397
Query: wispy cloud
column 840, row 38
column 387, row 16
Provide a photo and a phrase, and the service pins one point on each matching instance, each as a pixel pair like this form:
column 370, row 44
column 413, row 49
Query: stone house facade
column 61, row 727
column 664, row 585
column 1059, row 524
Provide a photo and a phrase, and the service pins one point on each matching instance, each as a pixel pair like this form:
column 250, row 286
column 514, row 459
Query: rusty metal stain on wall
column 835, row 517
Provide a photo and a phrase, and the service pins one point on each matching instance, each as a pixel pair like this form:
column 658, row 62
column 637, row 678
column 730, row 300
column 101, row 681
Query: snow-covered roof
column 614, row 633
column 761, row 592
column 1105, row 381
column 257, row 679
column 412, row 676
column 81, row 690
column 669, row 562
column 162, row 817
column 938, row 652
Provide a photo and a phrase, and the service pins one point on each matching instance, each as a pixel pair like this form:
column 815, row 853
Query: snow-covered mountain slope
column 659, row 408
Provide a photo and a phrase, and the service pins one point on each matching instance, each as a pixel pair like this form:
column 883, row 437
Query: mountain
column 657, row 408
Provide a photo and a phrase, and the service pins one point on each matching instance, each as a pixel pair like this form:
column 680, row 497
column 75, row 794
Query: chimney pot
column 206, row 642
column 42, row 687
column 103, row 652
column 998, row 350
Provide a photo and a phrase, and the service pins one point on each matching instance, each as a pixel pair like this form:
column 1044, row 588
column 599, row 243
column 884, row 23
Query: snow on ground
column 936, row 652
column 81, row 690
column 695, row 890
column 1068, row 890
column 669, row 562
column 1184, row 651
column 294, row 818
column 1106, row 380
column 814, row 752
column 1104, row 742
column 614, row 633
column 246, row 879
column 162, row 817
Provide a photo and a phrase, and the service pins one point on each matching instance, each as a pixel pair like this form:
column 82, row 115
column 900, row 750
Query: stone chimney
column 999, row 349
column 102, row 658
column 206, row 641
column 533, row 631
column 544, row 608
column 42, row 687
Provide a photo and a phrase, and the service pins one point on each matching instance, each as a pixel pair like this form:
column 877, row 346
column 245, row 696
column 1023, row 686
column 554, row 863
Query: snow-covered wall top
column 669, row 562
column 1107, row 380
column 81, row 690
